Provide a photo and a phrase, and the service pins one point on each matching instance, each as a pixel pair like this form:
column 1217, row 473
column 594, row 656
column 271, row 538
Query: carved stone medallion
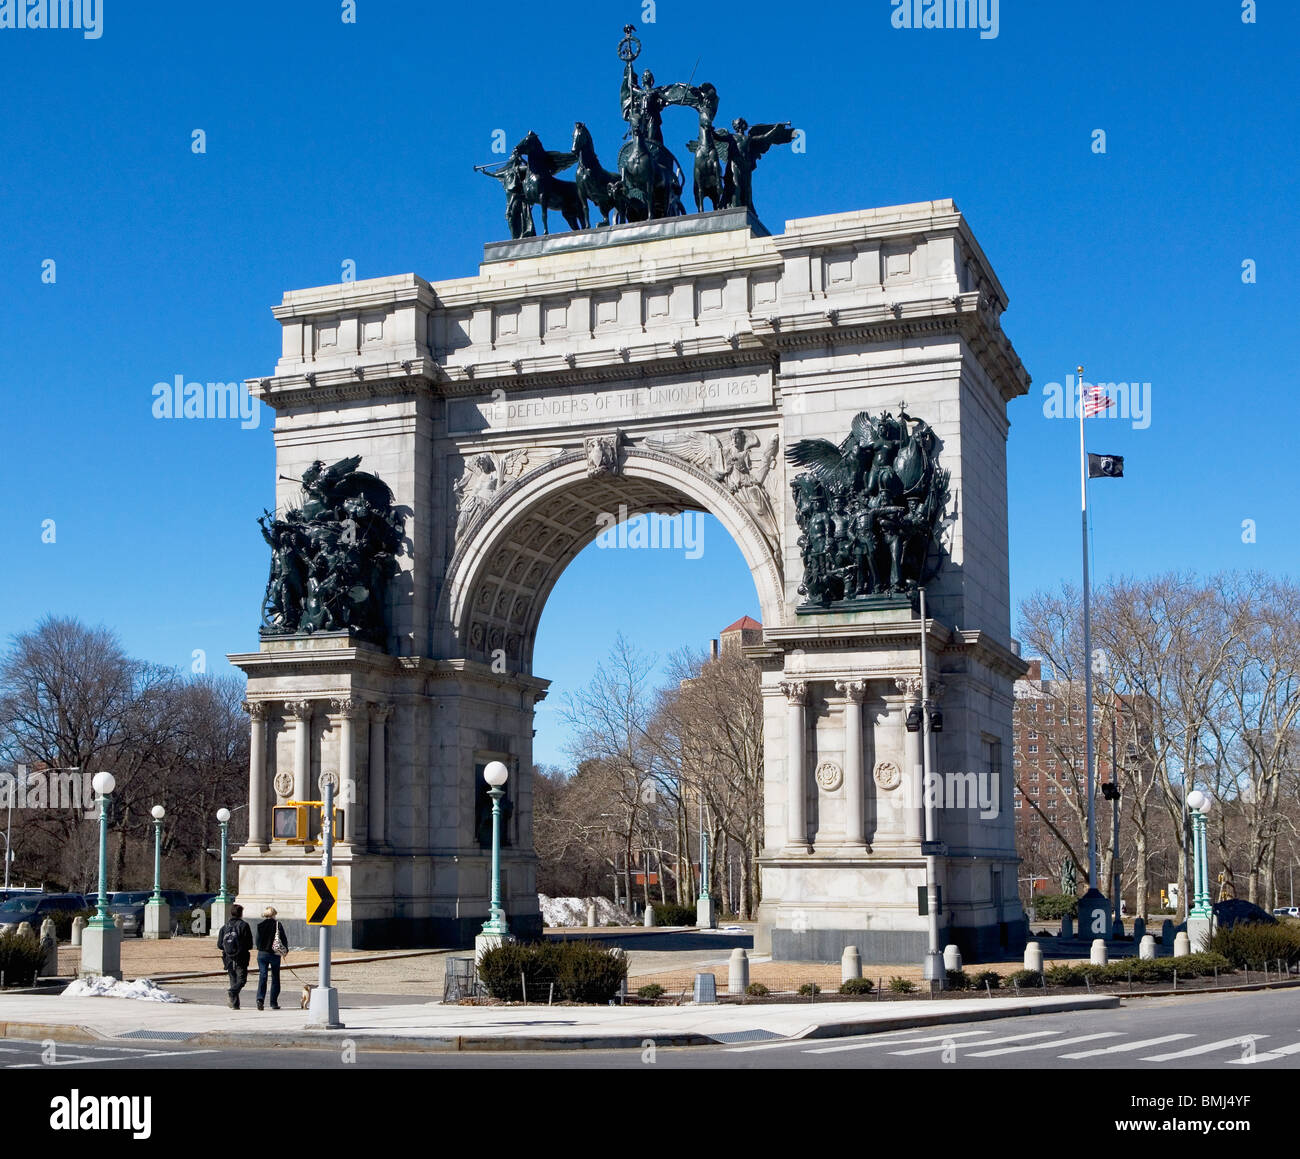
column 284, row 783
column 829, row 776
column 888, row 775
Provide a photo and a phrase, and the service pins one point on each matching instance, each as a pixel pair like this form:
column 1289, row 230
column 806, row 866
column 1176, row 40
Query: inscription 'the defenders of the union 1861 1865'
column 510, row 411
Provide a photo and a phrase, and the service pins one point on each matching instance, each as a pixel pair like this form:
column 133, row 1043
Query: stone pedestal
column 706, row 913
column 221, row 914
column 1094, row 915
column 649, row 917
column 1147, row 948
column 1182, row 944
column 323, row 1010
column 951, row 958
column 157, row 920
column 101, row 952
column 78, row 928
column 1199, row 932
column 1099, row 955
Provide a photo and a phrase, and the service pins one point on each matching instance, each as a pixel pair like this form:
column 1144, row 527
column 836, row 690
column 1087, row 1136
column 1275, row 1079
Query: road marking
column 763, row 1046
column 1204, row 1048
column 1267, row 1055
column 895, row 1042
column 1042, row 1045
column 100, row 1060
column 986, row 1042
column 1126, row 1046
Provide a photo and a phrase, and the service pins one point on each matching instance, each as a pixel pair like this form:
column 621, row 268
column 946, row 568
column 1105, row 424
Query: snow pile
column 97, row 987
column 572, row 911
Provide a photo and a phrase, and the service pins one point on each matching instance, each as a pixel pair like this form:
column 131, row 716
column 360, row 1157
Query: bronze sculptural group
column 332, row 557
column 870, row 510
column 648, row 181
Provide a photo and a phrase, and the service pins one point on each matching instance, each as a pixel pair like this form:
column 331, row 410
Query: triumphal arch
column 835, row 394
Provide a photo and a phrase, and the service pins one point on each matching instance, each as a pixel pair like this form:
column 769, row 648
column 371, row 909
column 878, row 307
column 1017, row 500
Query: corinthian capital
column 300, row 709
column 796, row 691
column 852, row 690
column 257, row 709
column 348, row 706
column 909, row 686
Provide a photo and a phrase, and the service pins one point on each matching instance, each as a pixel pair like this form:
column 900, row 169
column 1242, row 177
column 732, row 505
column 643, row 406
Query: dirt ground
column 421, row 972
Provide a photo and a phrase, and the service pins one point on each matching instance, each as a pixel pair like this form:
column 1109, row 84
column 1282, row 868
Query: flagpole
column 1087, row 649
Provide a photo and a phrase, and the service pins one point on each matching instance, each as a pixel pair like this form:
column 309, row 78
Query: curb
column 527, row 1043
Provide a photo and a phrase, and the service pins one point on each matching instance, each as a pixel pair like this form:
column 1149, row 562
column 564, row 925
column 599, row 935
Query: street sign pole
column 323, row 1013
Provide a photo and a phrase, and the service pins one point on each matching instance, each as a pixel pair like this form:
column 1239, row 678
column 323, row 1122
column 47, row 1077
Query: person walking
column 272, row 945
column 236, row 942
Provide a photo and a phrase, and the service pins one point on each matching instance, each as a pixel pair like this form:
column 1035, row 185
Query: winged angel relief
column 732, row 461
column 487, row 473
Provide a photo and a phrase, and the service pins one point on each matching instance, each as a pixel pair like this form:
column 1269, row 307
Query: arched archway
column 514, row 553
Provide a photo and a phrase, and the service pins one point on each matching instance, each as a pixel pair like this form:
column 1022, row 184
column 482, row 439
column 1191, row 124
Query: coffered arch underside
column 508, row 561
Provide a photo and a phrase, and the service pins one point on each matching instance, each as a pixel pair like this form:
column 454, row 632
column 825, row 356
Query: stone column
column 796, row 695
column 301, row 711
column 914, row 812
column 854, row 691
column 257, row 713
column 377, row 791
column 349, row 709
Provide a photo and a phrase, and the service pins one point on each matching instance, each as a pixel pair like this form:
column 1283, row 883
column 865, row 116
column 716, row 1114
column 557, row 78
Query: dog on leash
column 306, row 996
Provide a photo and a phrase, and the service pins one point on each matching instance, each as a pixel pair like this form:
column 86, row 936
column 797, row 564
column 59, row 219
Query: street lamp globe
column 158, row 812
column 496, row 774
column 103, row 783
column 1195, row 799
column 1204, row 806
column 223, row 815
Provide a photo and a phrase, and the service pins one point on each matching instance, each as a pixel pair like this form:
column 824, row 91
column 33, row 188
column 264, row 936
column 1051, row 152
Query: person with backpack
column 272, row 945
column 236, row 942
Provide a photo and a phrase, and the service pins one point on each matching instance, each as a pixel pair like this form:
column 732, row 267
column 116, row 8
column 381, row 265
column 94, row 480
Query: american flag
column 1095, row 400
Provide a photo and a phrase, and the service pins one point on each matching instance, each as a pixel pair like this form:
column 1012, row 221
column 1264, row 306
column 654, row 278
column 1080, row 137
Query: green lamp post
column 496, row 775
column 1199, row 805
column 103, row 784
column 158, row 813
column 101, row 941
column 223, row 819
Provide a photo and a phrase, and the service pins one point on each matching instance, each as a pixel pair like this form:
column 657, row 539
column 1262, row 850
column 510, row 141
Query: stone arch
column 510, row 559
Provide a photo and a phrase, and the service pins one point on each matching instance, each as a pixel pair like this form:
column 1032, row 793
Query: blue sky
column 329, row 142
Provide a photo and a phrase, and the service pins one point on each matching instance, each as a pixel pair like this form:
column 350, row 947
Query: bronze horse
column 543, row 188
column 593, row 180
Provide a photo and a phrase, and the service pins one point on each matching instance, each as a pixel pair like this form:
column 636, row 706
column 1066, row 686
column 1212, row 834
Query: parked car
column 1287, row 911
column 7, row 894
column 129, row 904
column 36, row 908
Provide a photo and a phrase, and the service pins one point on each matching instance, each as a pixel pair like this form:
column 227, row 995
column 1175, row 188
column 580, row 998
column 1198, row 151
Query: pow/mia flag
column 1105, row 466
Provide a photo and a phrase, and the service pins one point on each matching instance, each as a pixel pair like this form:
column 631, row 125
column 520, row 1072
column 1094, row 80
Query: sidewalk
column 432, row 1026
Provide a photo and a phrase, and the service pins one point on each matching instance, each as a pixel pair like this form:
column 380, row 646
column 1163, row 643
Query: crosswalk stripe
column 1126, row 1046
column 1267, row 1055
column 1041, row 1045
column 986, row 1042
column 894, row 1042
column 1204, row 1048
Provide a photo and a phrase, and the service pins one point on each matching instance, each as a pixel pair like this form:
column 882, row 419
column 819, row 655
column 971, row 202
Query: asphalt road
column 1239, row 1033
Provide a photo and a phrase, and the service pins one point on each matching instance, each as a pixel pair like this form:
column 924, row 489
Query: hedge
column 1250, row 945
column 667, row 914
column 20, row 958
column 1051, row 906
column 581, row 971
